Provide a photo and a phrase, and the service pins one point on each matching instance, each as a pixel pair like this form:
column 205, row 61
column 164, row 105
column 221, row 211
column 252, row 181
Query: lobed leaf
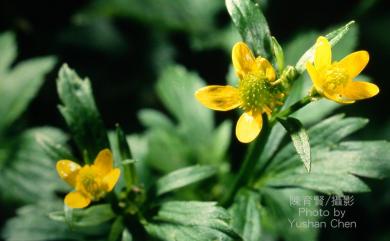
column 80, row 113
column 91, row 216
column 191, row 221
column 245, row 213
column 252, row 25
column 277, row 212
column 336, row 166
column 183, row 177
column 32, row 223
column 19, row 85
column 25, row 160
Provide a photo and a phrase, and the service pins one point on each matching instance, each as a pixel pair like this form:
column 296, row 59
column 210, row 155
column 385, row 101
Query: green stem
column 128, row 168
column 293, row 108
column 256, row 148
column 248, row 167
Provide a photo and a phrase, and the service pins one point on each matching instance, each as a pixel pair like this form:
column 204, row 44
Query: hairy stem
column 248, row 167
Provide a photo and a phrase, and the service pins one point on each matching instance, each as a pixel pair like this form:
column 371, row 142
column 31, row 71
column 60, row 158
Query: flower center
column 336, row 78
column 255, row 93
column 90, row 183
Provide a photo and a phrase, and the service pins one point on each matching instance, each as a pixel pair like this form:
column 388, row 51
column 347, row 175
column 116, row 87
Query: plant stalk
column 248, row 167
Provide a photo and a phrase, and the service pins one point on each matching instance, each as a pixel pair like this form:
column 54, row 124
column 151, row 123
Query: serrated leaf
column 252, row 25
column 91, row 216
column 336, row 166
column 32, row 223
column 80, row 113
column 26, row 160
column 183, row 177
column 299, row 138
column 333, row 37
column 277, row 212
column 191, row 221
column 246, row 216
column 19, row 85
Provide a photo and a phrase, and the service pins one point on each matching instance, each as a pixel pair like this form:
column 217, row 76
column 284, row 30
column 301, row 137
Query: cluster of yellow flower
column 92, row 182
column 258, row 91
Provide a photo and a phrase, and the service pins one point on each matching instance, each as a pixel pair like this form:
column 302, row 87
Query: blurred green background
column 123, row 45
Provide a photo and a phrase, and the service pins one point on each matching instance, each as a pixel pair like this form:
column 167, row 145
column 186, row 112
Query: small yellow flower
column 255, row 93
column 335, row 80
column 92, row 182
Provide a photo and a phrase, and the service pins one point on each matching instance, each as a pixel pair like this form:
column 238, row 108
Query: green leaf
column 19, row 85
column 166, row 150
column 126, row 235
column 117, row 228
column 274, row 140
column 336, row 166
column 333, row 37
column 23, row 160
column 81, row 114
column 8, row 51
column 278, row 54
column 246, row 216
column 176, row 87
column 347, row 44
column 32, row 223
column 91, row 216
column 191, row 221
column 154, row 119
column 299, row 44
column 251, row 24
column 277, row 212
column 299, row 138
column 315, row 111
column 194, row 17
column 191, row 138
column 125, row 154
column 183, row 177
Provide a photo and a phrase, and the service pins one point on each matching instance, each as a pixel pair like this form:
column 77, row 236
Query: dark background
column 123, row 75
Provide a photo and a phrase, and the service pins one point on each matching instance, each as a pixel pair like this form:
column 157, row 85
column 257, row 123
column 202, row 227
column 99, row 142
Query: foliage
column 182, row 176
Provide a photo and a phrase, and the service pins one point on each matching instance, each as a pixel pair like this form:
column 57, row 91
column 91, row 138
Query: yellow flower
column 335, row 80
column 92, row 182
column 255, row 93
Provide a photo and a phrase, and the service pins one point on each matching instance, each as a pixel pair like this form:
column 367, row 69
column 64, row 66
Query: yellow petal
column 337, row 98
column 354, row 63
column 243, row 59
column 76, row 200
column 248, row 127
column 323, row 53
column 267, row 68
column 314, row 76
column 111, row 179
column 68, row 171
column 360, row 90
column 103, row 162
column 217, row 97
